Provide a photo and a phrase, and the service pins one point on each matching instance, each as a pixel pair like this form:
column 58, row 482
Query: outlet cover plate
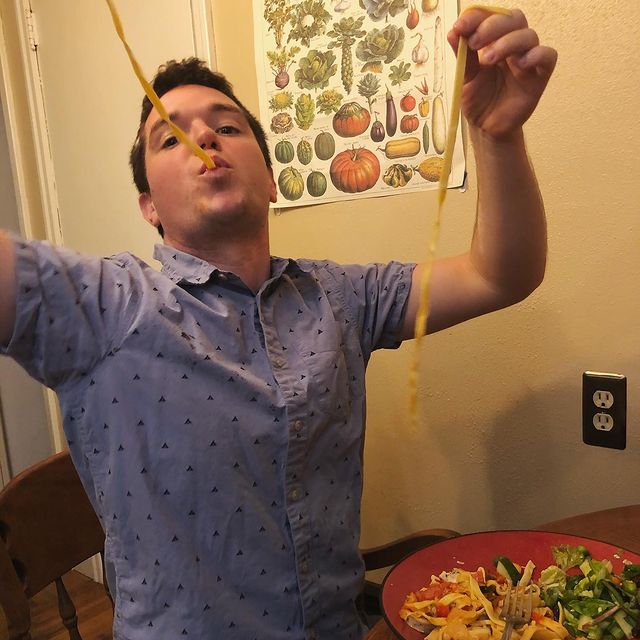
column 602, row 425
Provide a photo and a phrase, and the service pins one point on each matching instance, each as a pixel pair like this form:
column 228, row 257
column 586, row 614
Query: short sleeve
column 376, row 297
column 70, row 310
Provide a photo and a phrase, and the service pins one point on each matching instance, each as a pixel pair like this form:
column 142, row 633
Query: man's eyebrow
column 216, row 107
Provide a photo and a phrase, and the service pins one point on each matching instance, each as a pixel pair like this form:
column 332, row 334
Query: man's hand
column 507, row 70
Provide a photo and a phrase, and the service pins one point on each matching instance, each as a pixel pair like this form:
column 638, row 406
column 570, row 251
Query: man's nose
column 206, row 138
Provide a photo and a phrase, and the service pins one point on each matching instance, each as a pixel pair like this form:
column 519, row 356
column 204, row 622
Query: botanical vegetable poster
column 355, row 96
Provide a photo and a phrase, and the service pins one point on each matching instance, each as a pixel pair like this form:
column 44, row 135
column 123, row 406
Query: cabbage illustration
column 281, row 123
column 315, row 69
column 381, row 45
column 381, row 9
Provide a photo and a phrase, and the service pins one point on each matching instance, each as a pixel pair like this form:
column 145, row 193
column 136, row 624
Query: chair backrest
column 47, row 527
column 392, row 552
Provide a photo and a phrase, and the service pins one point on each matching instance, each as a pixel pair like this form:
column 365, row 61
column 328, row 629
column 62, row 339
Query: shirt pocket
column 327, row 376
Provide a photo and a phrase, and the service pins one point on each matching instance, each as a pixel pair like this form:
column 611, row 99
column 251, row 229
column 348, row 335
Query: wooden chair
column 386, row 556
column 47, row 527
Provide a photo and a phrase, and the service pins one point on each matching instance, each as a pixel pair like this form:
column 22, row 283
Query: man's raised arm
column 507, row 71
column 7, row 288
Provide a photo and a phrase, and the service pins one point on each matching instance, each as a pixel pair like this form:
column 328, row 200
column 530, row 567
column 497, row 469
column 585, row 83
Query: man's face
column 189, row 200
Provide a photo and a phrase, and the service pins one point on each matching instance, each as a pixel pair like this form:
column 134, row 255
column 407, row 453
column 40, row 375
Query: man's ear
column 273, row 194
column 148, row 209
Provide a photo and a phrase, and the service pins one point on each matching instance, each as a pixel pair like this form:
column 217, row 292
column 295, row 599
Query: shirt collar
column 183, row 268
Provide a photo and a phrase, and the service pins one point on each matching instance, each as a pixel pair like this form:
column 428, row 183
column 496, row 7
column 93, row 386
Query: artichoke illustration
column 305, row 11
column 382, row 9
column 344, row 34
column 368, row 87
column 305, row 111
column 380, row 45
column 315, row 69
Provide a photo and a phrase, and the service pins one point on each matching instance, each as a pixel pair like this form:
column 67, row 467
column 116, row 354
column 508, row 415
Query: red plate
column 478, row 550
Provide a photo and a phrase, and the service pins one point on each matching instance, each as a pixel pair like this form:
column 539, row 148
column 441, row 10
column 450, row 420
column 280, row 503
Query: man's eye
column 227, row 129
column 169, row 142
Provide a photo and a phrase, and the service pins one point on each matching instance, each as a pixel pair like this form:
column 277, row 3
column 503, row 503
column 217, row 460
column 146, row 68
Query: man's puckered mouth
column 218, row 162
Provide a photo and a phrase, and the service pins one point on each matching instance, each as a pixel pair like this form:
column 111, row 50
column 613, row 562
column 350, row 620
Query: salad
column 576, row 597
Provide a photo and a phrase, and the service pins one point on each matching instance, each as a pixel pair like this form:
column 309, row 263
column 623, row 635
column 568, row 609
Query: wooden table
column 620, row 526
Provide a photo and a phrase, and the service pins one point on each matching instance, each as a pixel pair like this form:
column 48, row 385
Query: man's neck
column 250, row 261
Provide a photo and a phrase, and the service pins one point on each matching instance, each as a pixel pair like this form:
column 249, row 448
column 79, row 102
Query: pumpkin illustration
column 351, row 120
column 324, row 145
column 291, row 183
column 354, row 170
column 316, row 184
column 284, row 151
column 409, row 123
column 305, row 152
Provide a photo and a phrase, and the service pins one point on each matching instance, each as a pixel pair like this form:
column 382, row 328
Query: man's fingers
column 482, row 27
column 514, row 43
column 541, row 59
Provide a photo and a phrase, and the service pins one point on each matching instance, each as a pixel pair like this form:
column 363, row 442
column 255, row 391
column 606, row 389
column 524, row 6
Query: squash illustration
column 354, row 170
column 291, row 183
column 324, row 145
column 284, row 152
column 316, row 184
column 351, row 120
column 305, row 152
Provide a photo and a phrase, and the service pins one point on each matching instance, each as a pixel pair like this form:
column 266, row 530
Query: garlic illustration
column 420, row 53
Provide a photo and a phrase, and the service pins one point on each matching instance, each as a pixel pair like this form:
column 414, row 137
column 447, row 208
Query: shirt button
column 279, row 361
column 313, row 635
column 295, row 494
column 304, row 567
column 297, row 425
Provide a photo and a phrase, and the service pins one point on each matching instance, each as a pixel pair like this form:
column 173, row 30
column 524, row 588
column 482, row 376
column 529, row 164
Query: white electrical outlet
column 604, row 409
column 603, row 399
column 603, row 422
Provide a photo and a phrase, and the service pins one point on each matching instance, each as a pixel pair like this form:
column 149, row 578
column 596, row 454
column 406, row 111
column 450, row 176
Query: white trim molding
column 46, row 175
column 44, row 164
column 203, row 37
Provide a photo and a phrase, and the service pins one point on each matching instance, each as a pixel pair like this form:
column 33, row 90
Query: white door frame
column 202, row 26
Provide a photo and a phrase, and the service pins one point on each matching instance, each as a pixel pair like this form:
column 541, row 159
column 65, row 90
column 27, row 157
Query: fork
column 516, row 609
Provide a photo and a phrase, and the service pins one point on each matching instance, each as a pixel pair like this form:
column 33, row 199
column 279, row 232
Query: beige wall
column 499, row 442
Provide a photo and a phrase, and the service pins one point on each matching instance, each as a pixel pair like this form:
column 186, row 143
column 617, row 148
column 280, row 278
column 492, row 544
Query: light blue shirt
column 218, row 432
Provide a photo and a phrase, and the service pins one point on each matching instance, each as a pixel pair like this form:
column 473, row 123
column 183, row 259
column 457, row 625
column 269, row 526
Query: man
column 215, row 411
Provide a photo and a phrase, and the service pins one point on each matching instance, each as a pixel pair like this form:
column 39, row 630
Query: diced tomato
column 435, row 591
column 442, row 610
column 478, row 576
column 536, row 616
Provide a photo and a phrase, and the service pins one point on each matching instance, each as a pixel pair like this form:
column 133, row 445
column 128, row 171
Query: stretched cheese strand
column 425, row 281
column 153, row 96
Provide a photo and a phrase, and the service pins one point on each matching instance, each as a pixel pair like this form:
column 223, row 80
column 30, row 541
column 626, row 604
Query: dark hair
column 177, row 74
